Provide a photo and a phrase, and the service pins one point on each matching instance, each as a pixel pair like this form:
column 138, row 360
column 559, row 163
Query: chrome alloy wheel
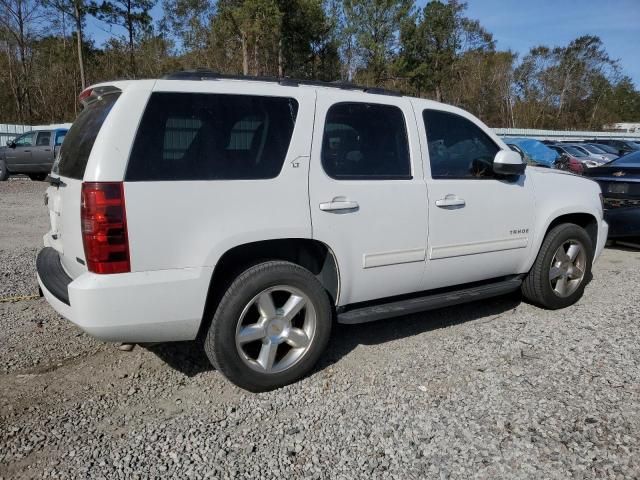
column 276, row 329
column 567, row 268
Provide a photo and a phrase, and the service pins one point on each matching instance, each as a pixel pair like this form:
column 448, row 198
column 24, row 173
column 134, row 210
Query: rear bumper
column 138, row 307
column 623, row 222
column 54, row 279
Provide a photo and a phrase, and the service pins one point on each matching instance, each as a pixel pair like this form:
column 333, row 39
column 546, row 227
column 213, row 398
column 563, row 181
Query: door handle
column 450, row 201
column 26, row 151
column 337, row 205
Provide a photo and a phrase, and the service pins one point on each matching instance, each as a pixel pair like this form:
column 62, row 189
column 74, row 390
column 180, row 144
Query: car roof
column 223, row 79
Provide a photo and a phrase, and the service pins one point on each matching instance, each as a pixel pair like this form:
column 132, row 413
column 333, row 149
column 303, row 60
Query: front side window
column 458, row 148
column 365, row 141
column 25, row 140
column 204, row 136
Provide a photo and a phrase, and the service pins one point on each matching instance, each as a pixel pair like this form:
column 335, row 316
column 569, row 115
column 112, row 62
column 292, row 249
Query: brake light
column 86, row 93
column 104, row 227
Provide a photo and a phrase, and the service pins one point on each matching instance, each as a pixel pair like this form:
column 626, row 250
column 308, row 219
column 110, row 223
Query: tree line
column 435, row 51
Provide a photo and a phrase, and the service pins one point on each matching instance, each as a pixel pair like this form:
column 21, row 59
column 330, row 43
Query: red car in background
column 567, row 161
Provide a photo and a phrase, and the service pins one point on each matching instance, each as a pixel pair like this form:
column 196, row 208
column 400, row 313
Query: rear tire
column 270, row 327
column 561, row 270
column 4, row 173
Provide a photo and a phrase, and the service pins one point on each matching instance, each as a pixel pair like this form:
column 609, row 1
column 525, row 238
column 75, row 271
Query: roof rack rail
column 205, row 74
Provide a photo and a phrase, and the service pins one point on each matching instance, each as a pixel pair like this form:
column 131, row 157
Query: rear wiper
column 55, row 181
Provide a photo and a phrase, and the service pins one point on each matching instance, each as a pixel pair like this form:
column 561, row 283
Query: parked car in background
column 620, row 184
column 535, row 152
column 569, row 163
column 31, row 153
column 594, row 152
column 606, row 148
column 576, row 154
column 623, row 146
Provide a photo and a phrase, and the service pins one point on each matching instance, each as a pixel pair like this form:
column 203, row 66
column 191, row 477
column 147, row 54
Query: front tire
column 561, row 270
column 270, row 327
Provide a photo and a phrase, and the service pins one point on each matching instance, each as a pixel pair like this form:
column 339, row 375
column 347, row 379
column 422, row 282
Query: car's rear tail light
column 104, row 227
column 86, row 93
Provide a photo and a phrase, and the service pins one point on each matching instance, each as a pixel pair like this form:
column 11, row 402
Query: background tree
column 20, row 25
column 433, row 40
column 434, row 51
column 188, row 21
column 373, row 26
column 77, row 10
column 252, row 25
column 132, row 15
column 307, row 47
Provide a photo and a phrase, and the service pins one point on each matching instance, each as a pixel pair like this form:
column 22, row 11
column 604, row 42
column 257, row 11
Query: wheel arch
column 315, row 256
column 586, row 220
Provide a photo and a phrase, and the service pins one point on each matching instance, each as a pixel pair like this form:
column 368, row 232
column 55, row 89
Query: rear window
column 80, row 138
column 202, row 136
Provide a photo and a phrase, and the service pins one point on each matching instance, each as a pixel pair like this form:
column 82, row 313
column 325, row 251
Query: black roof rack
column 204, row 74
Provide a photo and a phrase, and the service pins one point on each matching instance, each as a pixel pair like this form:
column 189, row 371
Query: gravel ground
column 494, row 389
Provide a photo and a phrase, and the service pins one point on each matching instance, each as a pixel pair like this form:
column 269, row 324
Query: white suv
column 252, row 214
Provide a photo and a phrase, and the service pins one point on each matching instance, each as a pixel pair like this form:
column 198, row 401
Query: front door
column 19, row 157
column 480, row 224
column 367, row 194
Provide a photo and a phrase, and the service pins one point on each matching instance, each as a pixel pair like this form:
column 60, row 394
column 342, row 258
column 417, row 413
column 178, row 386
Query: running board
column 392, row 309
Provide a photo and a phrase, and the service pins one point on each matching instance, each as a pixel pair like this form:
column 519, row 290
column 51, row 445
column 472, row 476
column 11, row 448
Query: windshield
column 607, row 148
column 80, row 138
column 574, row 151
column 594, row 149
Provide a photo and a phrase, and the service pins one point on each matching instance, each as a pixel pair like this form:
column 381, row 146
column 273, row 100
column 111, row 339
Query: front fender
column 559, row 194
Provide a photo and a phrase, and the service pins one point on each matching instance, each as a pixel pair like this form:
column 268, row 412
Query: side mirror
column 11, row 144
column 507, row 162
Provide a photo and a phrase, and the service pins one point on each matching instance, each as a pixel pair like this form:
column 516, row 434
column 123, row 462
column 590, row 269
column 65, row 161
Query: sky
column 521, row 24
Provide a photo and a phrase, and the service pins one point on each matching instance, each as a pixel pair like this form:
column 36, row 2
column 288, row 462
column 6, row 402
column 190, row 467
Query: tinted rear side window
column 364, row 141
column 201, row 136
column 80, row 138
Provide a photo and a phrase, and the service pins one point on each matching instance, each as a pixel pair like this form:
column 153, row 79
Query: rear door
column 19, row 157
column 367, row 194
column 64, row 196
column 42, row 152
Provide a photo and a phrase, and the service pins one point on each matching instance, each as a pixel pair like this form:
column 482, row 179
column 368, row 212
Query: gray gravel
column 495, row 389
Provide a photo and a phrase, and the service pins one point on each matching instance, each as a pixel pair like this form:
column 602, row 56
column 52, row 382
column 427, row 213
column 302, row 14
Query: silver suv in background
column 594, row 151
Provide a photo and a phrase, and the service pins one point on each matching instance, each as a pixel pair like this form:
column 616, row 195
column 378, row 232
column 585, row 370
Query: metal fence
column 9, row 132
column 564, row 135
